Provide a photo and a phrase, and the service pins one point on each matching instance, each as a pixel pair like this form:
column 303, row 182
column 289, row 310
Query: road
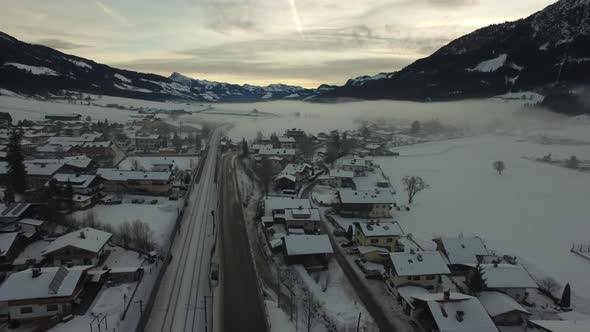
column 180, row 303
column 241, row 302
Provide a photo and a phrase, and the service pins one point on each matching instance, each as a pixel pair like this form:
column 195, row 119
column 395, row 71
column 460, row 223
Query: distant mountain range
column 547, row 52
column 36, row 69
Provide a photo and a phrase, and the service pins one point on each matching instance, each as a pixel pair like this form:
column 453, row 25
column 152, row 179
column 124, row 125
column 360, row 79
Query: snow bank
column 122, row 78
column 33, row 69
column 491, row 65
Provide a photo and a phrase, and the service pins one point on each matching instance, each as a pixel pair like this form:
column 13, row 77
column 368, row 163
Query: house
column 77, row 164
column 37, row 174
column 276, row 206
column 104, row 152
column 451, row 312
column 287, row 142
column 146, row 143
column 373, row 254
column 378, row 234
column 285, row 154
column 305, row 219
column 297, row 134
column 461, row 250
column 30, row 226
column 10, row 246
column 82, row 184
column 503, row 309
column 151, row 183
column 558, row 326
column 81, row 247
column 10, row 214
column 43, row 292
column 338, row 178
column 312, row 251
column 51, row 151
column 359, row 166
column 5, row 120
column 512, row 280
column 365, row 203
column 291, row 175
column 423, row 268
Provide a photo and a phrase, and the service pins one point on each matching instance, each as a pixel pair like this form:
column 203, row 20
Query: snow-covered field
column 160, row 217
column 533, row 210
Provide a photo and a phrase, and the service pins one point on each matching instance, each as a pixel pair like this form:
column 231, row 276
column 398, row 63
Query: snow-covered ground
column 160, row 217
column 533, row 210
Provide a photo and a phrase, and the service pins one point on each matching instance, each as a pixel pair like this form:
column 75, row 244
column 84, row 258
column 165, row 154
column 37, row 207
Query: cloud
column 112, row 13
column 60, row 44
column 225, row 16
column 296, row 18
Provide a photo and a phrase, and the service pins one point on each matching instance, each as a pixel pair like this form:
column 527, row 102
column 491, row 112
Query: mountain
column 546, row 52
column 39, row 70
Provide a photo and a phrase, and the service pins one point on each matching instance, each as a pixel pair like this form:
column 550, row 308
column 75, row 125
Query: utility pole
column 140, row 311
column 358, row 323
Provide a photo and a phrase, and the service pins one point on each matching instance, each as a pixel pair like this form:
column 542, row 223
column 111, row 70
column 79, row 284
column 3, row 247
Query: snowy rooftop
column 55, row 148
column 409, row 293
column 268, row 151
column 50, row 283
column 303, row 214
column 101, row 144
column 507, row 276
column 418, row 264
column 13, row 210
column 81, row 161
column 89, row 239
column 295, row 168
column 283, row 203
column 76, row 180
column 368, row 249
column 338, row 173
column 113, row 174
column 307, row 244
column 286, row 139
column 6, row 242
column 357, row 162
column 34, row 169
column 32, row 222
column 90, row 137
column 380, row 229
column 497, row 303
column 475, row 318
column 463, row 250
column 563, row 325
column 348, row 196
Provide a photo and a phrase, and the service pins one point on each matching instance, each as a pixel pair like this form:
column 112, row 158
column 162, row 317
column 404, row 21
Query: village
column 89, row 211
column 333, row 256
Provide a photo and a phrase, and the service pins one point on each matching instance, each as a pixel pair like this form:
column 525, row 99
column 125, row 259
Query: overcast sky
column 303, row 42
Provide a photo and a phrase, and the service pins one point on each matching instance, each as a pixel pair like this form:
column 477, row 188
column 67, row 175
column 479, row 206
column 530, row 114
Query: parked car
column 339, row 233
column 154, row 202
column 111, row 200
column 138, row 201
column 347, row 244
column 374, row 275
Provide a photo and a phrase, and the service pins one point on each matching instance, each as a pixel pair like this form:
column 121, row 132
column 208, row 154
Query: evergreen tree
column 8, row 196
column 476, row 281
column 68, row 196
column 566, row 297
column 16, row 167
column 245, row 149
column 177, row 142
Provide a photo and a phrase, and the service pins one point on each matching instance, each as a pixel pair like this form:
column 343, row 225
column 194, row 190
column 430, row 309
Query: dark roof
column 5, row 116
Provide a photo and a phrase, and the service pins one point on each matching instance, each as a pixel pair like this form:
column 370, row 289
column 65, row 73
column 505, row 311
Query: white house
column 43, row 292
column 503, row 309
column 365, row 203
column 461, row 250
column 512, row 280
column 422, row 268
column 81, row 247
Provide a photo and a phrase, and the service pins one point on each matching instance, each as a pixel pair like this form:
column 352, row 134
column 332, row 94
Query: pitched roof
column 463, row 250
column 563, row 325
column 112, row 174
column 506, row 276
column 76, row 180
column 6, row 242
column 93, row 240
column 348, row 196
column 475, row 318
column 52, row 282
column 418, row 264
column 307, row 244
column 283, row 203
column 497, row 303
column 81, row 161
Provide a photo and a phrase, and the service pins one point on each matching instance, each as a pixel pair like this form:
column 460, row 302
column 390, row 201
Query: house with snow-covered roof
column 512, row 280
column 458, row 251
column 305, row 219
column 43, row 292
column 82, row 247
column 558, row 326
column 291, row 175
column 359, row 166
column 375, row 233
column 365, row 203
column 451, row 312
column 154, row 183
column 423, row 268
column 10, row 246
column 503, row 309
column 312, row 251
column 276, row 206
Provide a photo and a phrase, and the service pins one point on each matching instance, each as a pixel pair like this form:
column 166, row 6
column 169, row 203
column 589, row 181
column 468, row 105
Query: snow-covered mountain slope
column 35, row 69
column 546, row 52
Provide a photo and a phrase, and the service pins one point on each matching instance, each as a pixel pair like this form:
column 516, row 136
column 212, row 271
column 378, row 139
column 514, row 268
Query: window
column 52, row 307
column 416, row 278
column 26, row 310
column 374, row 241
column 429, row 277
column 389, row 240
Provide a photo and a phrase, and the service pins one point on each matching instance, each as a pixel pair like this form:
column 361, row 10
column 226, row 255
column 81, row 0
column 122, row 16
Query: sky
column 300, row 42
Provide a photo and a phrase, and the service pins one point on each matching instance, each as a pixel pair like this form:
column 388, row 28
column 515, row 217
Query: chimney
column 36, row 272
column 460, row 315
column 82, row 235
column 419, row 257
column 447, row 295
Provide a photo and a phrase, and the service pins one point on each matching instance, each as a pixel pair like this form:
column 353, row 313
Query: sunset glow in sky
column 301, row 42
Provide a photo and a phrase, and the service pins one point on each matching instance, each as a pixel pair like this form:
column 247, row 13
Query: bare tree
column 573, row 162
column 499, row 166
column 142, row 235
column 124, row 234
column 264, row 173
column 413, row 185
column 311, row 311
column 549, row 284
